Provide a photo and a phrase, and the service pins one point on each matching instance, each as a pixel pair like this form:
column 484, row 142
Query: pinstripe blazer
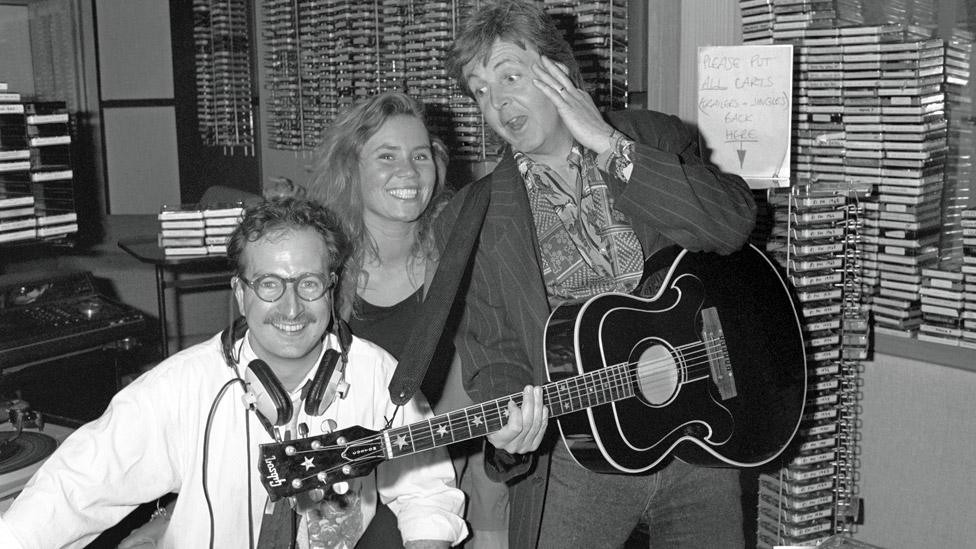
column 672, row 197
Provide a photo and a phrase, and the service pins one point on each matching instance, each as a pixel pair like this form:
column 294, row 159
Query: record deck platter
column 22, row 446
column 18, row 451
column 27, row 454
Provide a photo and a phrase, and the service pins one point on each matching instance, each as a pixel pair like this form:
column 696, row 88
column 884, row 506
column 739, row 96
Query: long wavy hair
column 335, row 182
column 516, row 21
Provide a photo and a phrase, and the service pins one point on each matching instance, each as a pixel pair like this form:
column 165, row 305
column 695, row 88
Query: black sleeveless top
column 390, row 327
column 387, row 327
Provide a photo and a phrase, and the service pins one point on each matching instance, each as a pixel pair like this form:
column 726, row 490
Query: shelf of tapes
column 968, row 268
column 960, row 178
column 814, row 236
column 882, row 158
column 941, row 285
column 222, row 54
column 320, row 57
column 597, row 31
column 882, row 106
column 37, row 199
column 948, row 292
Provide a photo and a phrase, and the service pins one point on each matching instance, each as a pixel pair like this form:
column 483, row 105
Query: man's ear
column 238, row 288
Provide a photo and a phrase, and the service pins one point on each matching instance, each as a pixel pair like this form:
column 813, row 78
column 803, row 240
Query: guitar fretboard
column 561, row 397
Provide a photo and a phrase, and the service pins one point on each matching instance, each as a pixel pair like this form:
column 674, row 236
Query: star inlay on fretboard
column 476, row 421
column 442, row 430
column 401, row 441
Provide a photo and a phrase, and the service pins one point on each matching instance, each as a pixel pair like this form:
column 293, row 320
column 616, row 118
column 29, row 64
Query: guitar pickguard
column 674, row 388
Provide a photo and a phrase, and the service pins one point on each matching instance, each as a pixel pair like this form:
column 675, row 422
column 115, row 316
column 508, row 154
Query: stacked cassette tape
column 903, row 227
column 883, row 117
column 869, row 141
column 195, row 230
column 883, row 131
column 222, row 49
column 52, row 178
column 959, row 175
column 968, row 269
column 597, row 30
column 37, row 194
column 283, row 81
column 17, row 219
column 941, row 291
column 320, row 57
column 814, row 237
column 769, row 21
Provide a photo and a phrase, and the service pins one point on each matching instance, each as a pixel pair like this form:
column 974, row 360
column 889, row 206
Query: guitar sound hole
column 657, row 375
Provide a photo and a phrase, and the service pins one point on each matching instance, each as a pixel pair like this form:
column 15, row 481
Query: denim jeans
column 683, row 506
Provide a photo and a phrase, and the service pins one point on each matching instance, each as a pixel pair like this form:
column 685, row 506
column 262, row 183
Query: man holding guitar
column 578, row 202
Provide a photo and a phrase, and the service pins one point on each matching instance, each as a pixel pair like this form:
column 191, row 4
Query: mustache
column 275, row 318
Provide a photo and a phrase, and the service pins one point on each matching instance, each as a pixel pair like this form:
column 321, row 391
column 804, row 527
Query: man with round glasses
column 192, row 425
column 308, row 286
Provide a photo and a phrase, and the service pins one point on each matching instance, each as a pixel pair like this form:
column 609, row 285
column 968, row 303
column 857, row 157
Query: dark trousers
column 683, row 506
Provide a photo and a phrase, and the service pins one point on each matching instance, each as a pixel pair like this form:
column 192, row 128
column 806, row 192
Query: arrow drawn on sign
column 741, row 151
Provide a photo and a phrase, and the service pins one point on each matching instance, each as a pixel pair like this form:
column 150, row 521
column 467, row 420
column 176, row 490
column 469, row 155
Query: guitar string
column 623, row 372
column 621, row 377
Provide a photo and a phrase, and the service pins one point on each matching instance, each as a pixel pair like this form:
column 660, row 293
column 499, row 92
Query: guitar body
column 678, row 406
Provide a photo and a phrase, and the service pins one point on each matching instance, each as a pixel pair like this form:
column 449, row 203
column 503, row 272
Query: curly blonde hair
column 335, row 181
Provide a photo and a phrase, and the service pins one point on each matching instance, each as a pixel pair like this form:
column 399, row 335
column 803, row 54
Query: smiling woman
column 376, row 170
column 381, row 172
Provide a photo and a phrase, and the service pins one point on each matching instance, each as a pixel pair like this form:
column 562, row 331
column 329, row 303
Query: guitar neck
column 561, row 397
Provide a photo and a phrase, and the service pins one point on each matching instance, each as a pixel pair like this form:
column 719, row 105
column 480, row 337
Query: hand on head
column 575, row 106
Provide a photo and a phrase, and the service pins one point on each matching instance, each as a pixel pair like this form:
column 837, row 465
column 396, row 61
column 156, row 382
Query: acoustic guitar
column 711, row 368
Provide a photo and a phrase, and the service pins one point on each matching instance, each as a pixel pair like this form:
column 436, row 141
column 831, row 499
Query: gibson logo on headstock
column 272, row 476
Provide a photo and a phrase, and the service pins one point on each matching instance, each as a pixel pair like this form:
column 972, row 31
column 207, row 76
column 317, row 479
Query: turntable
column 18, row 450
column 25, row 442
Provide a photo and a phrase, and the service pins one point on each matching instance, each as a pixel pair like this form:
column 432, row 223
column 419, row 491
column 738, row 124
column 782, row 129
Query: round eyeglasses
column 308, row 286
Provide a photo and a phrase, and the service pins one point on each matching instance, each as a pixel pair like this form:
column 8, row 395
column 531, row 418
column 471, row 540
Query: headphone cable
column 206, row 456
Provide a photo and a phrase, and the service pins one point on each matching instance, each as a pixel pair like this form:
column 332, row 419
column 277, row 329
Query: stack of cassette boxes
column 870, row 143
column 968, row 269
column 194, row 230
column 37, row 194
column 797, row 502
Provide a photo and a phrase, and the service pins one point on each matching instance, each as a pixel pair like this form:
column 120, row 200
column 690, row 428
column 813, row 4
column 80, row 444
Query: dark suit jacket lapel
column 513, row 233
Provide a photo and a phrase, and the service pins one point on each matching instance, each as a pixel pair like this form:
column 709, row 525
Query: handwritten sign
column 744, row 110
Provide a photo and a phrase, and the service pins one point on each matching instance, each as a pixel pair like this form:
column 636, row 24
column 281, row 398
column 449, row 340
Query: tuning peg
column 307, row 500
column 340, row 488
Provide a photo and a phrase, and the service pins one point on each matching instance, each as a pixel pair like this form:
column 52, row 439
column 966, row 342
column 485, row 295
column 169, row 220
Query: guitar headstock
column 299, row 465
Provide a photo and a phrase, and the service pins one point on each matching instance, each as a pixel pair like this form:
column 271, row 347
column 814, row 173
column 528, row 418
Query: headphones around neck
column 271, row 400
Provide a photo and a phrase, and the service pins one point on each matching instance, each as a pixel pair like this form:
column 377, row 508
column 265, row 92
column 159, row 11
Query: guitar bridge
column 718, row 356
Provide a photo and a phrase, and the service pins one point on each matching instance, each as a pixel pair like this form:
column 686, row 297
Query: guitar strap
column 279, row 529
column 429, row 326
